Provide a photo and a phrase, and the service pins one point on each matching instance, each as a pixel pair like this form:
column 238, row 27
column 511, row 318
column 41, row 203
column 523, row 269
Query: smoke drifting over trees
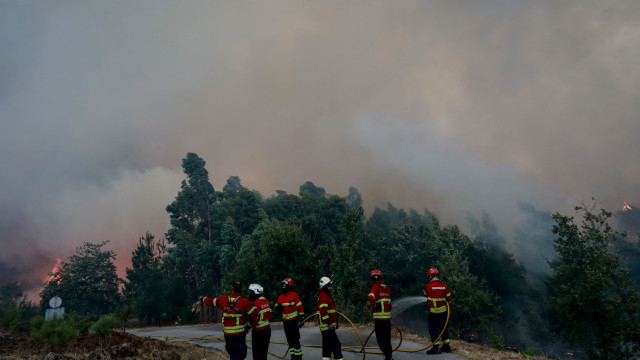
column 462, row 108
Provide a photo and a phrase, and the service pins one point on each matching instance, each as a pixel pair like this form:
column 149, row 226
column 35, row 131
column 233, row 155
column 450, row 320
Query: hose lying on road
column 356, row 349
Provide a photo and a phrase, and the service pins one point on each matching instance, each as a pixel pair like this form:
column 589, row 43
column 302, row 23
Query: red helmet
column 376, row 273
column 433, row 272
column 288, row 281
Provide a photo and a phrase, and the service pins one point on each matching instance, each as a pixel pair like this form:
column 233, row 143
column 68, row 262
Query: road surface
column 210, row 336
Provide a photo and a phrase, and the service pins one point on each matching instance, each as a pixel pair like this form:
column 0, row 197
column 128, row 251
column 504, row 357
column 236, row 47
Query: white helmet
column 256, row 289
column 324, row 281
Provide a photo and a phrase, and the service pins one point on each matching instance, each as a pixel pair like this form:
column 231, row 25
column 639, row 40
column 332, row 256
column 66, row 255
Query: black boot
column 434, row 350
column 446, row 348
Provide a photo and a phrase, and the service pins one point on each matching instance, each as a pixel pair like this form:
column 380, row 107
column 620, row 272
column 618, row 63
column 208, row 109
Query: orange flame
column 55, row 268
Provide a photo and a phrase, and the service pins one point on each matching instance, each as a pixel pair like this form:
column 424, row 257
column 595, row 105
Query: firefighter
column 437, row 294
column 261, row 328
column 380, row 302
column 328, row 321
column 290, row 305
column 236, row 311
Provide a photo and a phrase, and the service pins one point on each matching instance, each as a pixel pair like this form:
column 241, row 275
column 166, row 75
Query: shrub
column 526, row 351
column 497, row 341
column 10, row 317
column 56, row 331
column 103, row 326
column 82, row 325
column 36, row 323
column 16, row 325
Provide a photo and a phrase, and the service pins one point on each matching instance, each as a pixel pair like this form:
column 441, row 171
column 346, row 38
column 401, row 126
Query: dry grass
column 471, row 351
column 20, row 346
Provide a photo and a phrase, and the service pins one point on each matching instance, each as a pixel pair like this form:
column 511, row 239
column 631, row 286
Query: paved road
column 309, row 335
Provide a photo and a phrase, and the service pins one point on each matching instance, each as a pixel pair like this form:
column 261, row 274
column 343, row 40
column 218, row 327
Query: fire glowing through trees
column 55, row 268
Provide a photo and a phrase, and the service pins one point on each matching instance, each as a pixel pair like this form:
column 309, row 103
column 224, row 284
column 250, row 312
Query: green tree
column 87, row 282
column 10, row 293
column 237, row 203
column 191, row 225
column 146, row 280
column 474, row 307
column 593, row 302
column 277, row 250
column 351, row 265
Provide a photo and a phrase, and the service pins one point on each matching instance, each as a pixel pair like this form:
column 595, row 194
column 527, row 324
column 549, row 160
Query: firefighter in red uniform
column 328, row 321
column 261, row 328
column 236, row 310
column 438, row 295
column 290, row 305
column 380, row 302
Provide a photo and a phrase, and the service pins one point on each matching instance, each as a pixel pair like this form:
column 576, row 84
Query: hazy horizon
column 457, row 107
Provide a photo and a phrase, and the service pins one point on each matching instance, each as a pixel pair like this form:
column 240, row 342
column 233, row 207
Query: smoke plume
column 453, row 106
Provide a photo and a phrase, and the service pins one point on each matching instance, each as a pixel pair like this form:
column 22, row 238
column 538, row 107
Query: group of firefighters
column 241, row 314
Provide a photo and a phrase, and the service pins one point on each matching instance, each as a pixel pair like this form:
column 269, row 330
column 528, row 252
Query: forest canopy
column 217, row 237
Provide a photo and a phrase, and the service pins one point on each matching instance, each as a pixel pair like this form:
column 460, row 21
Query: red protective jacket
column 436, row 293
column 380, row 301
column 291, row 306
column 326, row 310
column 264, row 313
column 236, row 309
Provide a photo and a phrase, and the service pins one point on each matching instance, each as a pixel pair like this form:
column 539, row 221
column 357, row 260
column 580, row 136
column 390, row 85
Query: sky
column 453, row 106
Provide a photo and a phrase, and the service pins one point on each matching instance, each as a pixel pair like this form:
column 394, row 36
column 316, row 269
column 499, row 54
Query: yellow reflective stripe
column 324, row 305
column 436, row 299
column 233, row 315
column 325, row 317
column 262, row 324
column 438, row 310
column 234, row 329
column 371, row 295
column 331, row 311
column 324, row 327
column 382, row 315
column 299, row 303
column 289, row 316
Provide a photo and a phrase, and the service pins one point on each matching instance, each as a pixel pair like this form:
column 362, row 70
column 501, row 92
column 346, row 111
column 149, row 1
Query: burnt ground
column 118, row 346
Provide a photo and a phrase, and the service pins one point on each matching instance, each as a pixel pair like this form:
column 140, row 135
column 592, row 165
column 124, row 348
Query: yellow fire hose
column 361, row 349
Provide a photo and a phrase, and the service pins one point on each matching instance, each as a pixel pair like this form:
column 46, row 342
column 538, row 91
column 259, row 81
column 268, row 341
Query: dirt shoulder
column 118, row 346
column 471, row 351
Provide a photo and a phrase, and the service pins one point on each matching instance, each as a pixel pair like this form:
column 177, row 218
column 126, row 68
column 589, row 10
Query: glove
column 197, row 306
column 247, row 328
column 278, row 307
column 301, row 323
column 336, row 325
column 378, row 307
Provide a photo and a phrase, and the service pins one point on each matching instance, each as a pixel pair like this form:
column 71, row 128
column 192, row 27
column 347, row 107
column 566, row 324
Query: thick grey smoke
column 454, row 106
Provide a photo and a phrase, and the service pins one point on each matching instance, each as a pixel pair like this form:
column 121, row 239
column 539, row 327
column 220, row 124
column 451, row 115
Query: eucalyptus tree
column 191, row 228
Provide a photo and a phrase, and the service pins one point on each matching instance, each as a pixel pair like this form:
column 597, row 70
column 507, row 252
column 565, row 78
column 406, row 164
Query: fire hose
column 356, row 349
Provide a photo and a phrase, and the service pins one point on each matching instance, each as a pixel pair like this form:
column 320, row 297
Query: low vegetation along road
column 210, row 336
